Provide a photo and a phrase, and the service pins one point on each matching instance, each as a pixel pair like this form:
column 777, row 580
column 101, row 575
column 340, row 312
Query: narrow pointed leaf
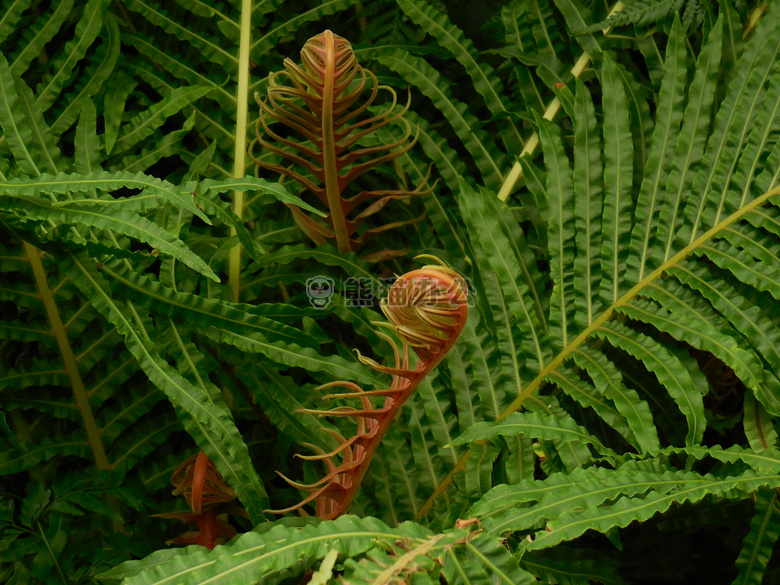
column 618, row 153
column 588, row 199
column 760, row 540
column 121, row 222
column 560, row 234
column 667, row 127
column 530, row 425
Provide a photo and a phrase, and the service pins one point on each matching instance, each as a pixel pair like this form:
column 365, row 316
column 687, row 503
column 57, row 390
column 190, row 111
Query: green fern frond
column 23, row 125
column 530, row 425
column 759, row 542
column 208, row 421
column 639, row 12
column 626, row 510
column 418, row 72
column 87, row 30
column 661, row 296
column 609, row 414
column 486, row 83
column 98, row 69
column 144, row 124
column 267, row 551
column 209, row 46
column 12, row 16
column 36, row 34
column 120, row 222
column 17, row 459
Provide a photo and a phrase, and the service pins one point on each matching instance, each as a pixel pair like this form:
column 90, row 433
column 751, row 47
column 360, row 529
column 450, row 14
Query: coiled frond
column 427, row 309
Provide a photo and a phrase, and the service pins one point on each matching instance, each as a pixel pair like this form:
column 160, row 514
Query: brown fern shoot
column 325, row 102
column 427, row 309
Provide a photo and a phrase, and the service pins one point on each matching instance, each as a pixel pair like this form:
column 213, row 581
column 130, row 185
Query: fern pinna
column 428, row 309
column 321, row 101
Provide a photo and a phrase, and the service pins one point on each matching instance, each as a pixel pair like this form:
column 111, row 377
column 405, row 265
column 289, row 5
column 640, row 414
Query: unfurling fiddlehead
column 208, row 496
column 427, row 309
column 324, row 102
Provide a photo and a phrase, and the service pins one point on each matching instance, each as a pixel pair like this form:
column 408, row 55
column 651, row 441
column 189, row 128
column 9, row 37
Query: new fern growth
column 200, row 483
column 427, row 309
column 322, row 100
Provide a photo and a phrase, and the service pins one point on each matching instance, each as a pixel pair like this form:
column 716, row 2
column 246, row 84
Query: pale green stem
column 239, row 164
column 549, row 114
column 71, row 366
column 405, row 562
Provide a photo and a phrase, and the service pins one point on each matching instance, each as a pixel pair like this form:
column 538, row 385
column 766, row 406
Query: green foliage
column 609, row 413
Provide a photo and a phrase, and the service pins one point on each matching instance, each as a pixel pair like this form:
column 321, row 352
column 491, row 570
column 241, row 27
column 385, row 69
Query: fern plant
column 608, row 189
column 324, row 103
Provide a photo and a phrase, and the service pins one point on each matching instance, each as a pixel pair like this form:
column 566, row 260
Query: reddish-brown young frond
column 325, row 103
column 208, row 496
column 427, row 309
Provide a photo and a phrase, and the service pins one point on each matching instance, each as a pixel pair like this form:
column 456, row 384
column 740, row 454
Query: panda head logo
column 319, row 289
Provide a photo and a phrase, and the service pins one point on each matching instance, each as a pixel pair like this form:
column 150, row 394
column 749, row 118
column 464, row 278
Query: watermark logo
column 363, row 291
column 320, row 289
